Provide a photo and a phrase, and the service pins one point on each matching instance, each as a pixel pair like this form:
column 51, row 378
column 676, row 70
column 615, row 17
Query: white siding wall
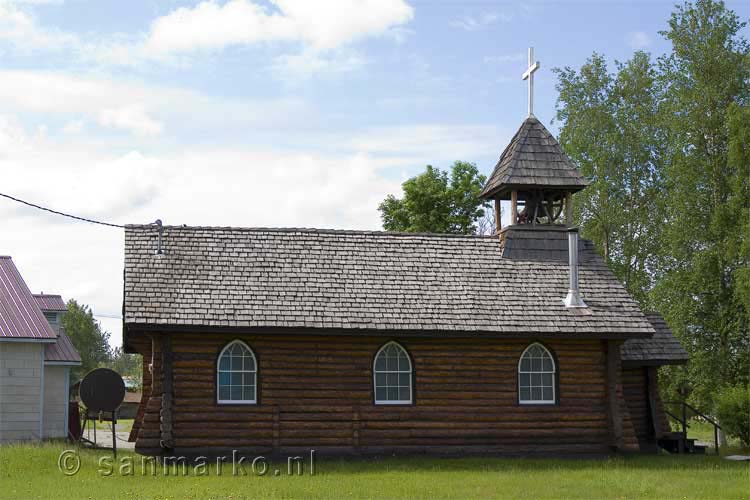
column 55, row 400
column 20, row 390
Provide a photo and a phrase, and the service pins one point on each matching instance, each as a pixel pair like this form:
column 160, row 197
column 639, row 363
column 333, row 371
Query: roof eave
column 632, row 363
column 36, row 340
column 296, row 330
column 502, row 192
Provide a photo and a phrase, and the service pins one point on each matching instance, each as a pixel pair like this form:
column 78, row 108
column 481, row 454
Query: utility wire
column 83, row 219
column 110, row 316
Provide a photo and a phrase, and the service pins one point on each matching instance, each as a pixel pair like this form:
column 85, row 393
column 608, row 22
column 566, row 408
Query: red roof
column 62, row 351
column 20, row 317
column 48, row 302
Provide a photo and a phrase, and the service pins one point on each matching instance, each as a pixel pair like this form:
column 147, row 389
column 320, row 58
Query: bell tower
column 534, row 173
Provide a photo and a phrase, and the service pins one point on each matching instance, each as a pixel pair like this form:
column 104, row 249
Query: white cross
column 529, row 75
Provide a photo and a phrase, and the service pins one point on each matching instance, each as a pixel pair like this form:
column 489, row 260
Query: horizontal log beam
column 316, row 390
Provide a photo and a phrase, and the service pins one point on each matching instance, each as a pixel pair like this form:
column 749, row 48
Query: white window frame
column 255, row 372
column 552, row 401
column 376, row 372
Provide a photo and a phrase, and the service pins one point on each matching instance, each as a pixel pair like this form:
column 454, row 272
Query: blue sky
column 261, row 113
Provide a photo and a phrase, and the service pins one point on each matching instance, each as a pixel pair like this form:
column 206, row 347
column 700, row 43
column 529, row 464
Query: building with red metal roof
column 36, row 356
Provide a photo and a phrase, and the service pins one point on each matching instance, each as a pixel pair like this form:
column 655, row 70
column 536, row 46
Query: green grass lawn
column 28, row 471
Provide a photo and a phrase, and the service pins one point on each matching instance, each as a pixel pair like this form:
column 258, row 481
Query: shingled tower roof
column 533, row 159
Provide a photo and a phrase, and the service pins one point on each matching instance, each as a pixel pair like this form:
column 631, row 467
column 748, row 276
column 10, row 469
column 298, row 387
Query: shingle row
column 662, row 348
column 533, row 158
column 237, row 277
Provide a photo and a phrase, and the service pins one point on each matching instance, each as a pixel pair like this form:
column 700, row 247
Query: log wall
column 316, row 392
column 142, row 344
column 622, row 430
column 640, row 391
column 635, row 391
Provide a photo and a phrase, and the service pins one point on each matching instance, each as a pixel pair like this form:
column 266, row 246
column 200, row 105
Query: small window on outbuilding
column 536, row 376
column 392, row 374
column 51, row 318
column 236, row 375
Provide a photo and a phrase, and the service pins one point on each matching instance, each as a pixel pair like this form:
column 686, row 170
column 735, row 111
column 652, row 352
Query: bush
column 733, row 412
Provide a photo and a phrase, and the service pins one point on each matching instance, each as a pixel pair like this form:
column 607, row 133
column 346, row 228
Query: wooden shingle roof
column 661, row 349
column 533, row 159
column 541, row 242
column 308, row 280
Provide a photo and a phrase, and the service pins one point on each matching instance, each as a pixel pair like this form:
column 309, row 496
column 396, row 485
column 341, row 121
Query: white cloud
column 12, row 137
column 638, row 40
column 20, row 29
column 319, row 25
column 399, row 34
column 309, row 63
column 73, row 127
column 305, row 28
column 132, row 118
column 475, row 23
column 135, row 106
column 420, row 144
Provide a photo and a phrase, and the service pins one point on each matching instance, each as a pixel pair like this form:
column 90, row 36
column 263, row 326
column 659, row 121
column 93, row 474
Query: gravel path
column 104, row 439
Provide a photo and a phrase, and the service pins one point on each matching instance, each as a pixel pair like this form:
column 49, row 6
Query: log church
column 366, row 342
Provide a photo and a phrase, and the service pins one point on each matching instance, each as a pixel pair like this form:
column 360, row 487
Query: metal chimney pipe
column 573, row 299
column 160, row 228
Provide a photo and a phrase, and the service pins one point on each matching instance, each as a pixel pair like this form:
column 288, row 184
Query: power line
column 110, row 316
column 83, row 219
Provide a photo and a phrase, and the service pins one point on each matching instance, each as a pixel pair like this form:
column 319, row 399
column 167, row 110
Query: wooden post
column 683, row 438
column 165, row 415
column 514, row 207
column 716, row 439
column 614, row 388
column 498, row 222
column 568, row 209
column 114, row 433
column 355, row 427
column 653, row 395
column 275, row 429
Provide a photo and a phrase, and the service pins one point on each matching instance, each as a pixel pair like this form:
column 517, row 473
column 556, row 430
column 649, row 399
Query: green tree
column 739, row 199
column 436, row 201
column 705, row 80
column 609, row 128
column 87, row 336
column 666, row 147
column 733, row 411
column 127, row 365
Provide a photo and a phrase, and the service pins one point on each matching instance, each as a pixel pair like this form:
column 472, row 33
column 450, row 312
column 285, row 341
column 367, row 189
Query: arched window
column 392, row 375
column 536, row 376
column 236, row 374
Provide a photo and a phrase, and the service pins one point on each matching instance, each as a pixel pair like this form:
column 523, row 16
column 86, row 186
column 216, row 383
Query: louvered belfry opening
column 536, row 176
